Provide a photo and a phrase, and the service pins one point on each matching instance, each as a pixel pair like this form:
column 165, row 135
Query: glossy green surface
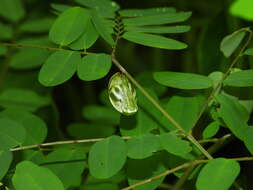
column 122, row 94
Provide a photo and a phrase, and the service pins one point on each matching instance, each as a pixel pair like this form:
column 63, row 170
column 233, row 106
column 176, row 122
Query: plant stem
column 59, row 143
column 185, row 165
column 160, row 108
column 42, row 47
column 219, row 85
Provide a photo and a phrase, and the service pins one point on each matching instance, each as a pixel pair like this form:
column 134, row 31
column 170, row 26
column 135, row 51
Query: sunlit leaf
column 242, row 9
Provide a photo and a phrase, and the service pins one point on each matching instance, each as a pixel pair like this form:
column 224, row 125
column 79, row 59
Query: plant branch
column 59, row 143
column 41, row 47
column 160, row 108
column 219, row 85
column 185, row 165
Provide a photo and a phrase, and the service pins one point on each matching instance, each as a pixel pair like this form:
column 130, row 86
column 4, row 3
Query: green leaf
column 141, row 147
column 99, row 186
column 248, row 139
column 242, row 9
column 37, row 25
column 107, row 157
column 139, row 124
column 3, row 50
column 174, row 145
column 23, row 99
column 90, row 130
column 234, row 115
column 154, row 41
column 59, row 8
column 105, row 8
column 216, row 77
column 5, row 162
column 87, row 39
column 184, row 109
column 31, row 123
column 102, row 27
column 140, row 170
column 11, row 134
column 101, row 114
column 69, row 26
column 6, row 31
column 94, row 67
column 159, row 29
column 211, row 130
column 231, row 42
column 248, row 51
column 164, row 18
column 12, row 10
column 30, row 176
column 183, row 80
column 146, row 12
column 240, row 79
column 220, row 173
column 68, row 165
column 59, row 68
column 28, row 57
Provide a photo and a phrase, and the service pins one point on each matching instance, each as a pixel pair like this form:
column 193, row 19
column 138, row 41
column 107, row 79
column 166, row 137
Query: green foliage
column 31, row 176
column 94, row 67
column 107, row 157
column 219, row 172
column 69, row 26
column 59, row 67
column 70, row 120
column 230, row 43
column 183, row 80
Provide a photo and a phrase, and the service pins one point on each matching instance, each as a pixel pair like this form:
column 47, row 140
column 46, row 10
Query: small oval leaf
column 107, row 157
column 69, row 26
column 30, row 176
column 240, row 79
column 94, row 66
column 59, row 68
column 152, row 40
column 183, row 80
column 220, row 173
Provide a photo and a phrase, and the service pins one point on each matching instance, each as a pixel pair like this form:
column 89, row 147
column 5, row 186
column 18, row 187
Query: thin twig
column 185, row 165
column 42, row 47
column 160, row 108
column 60, row 143
column 219, row 85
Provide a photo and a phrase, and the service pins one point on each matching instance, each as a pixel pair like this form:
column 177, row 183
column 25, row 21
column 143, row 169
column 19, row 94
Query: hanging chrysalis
column 122, row 94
